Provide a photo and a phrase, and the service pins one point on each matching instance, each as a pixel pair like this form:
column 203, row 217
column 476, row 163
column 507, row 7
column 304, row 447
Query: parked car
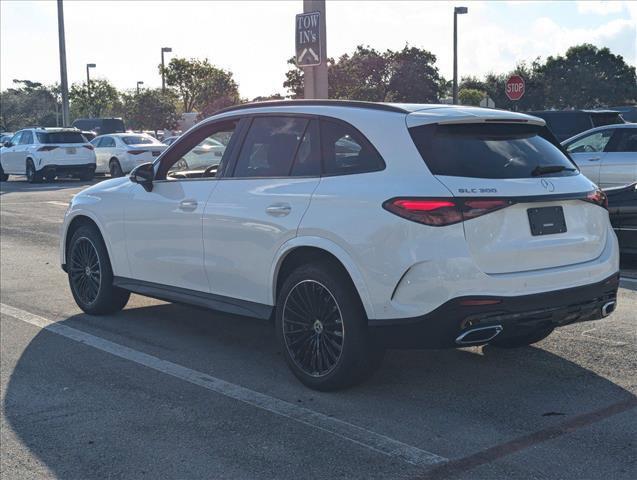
column 567, row 123
column 606, row 155
column 46, row 153
column 5, row 137
column 357, row 226
column 101, row 126
column 628, row 112
column 119, row 153
column 622, row 208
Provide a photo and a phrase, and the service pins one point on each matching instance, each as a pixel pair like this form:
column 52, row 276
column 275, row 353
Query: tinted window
column 347, row 151
column 487, row 150
column 307, row 162
column 107, row 142
column 27, row 138
column 60, row 137
column 601, row 119
column 270, row 147
column 204, row 158
column 595, row 142
column 566, row 124
column 627, row 141
column 138, row 140
column 16, row 138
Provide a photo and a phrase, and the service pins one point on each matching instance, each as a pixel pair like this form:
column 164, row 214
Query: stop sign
column 515, row 87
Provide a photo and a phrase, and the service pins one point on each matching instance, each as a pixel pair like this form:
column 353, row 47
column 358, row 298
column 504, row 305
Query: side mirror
column 144, row 175
column 7, row 144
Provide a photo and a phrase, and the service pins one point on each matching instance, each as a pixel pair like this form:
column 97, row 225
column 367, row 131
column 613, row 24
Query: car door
column 619, row 163
column 259, row 203
column 164, row 226
column 588, row 152
column 9, row 155
column 23, row 150
column 101, row 155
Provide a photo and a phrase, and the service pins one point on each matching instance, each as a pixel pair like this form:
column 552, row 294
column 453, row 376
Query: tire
column 32, row 174
column 115, row 168
column 522, row 340
column 92, row 288
column 88, row 175
column 3, row 176
column 323, row 352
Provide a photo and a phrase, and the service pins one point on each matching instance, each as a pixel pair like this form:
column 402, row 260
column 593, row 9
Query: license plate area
column 71, row 150
column 546, row 220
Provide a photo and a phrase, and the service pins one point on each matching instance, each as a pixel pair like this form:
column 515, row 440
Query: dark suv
column 567, row 123
column 101, row 126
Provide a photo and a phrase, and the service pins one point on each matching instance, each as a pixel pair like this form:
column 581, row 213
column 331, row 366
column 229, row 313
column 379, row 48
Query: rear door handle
column 188, row 205
column 593, row 159
column 278, row 209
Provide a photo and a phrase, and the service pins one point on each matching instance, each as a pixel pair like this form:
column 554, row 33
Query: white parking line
column 359, row 435
column 55, row 202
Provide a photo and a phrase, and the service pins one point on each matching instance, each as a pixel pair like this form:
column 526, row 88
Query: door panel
column 618, row 168
column 164, row 233
column 589, row 164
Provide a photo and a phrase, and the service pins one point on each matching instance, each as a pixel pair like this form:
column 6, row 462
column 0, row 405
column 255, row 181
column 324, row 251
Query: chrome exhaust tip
column 479, row 335
column 608, row 308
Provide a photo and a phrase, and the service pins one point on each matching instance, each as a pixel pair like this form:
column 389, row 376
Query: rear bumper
column 516, row 315
column 67, row 169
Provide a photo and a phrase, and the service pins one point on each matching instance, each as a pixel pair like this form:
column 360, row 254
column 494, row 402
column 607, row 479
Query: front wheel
column 90, row 274
column 32, row 174
column 322, row 328
column 3, row 176
column 115, row 168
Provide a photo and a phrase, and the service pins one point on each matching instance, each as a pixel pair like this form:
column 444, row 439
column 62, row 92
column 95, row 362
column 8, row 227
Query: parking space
column 168, row 391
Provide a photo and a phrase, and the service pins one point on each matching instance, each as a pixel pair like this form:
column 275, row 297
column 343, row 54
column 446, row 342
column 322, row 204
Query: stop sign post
column 515, row 88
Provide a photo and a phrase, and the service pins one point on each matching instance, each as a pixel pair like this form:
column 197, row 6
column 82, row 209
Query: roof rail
column 323, row 103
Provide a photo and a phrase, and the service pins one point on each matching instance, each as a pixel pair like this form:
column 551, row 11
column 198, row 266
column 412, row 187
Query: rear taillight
column 137, row 152
column 438, row 212
column 90, row 147
column 598, row 197
column 47, row 148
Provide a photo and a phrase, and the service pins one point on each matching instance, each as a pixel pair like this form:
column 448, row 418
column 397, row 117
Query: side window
column 270, row 147
column 27, row 138
column 595, row 142
column 107, row 142
column 41, row 137
column 627, row 140
column 96, row 142
column 15, row 140
column 201, row 153
column 307, row 162
column 346, row 151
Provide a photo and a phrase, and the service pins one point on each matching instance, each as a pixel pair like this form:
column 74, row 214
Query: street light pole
column 64, row 86
column 456, row 11
column 163, row 80
column 88, row 83
column 138, row 84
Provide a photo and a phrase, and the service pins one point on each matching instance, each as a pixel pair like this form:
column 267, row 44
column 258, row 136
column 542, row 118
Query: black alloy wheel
column 85, row 270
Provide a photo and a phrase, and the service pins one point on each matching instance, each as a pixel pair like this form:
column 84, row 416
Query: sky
column 254, row 39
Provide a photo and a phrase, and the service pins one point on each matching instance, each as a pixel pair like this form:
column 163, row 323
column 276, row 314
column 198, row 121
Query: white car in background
column 119, row 153
column 606, row 155
column 46, row 153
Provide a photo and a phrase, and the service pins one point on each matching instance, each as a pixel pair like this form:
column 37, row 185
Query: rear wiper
column 544, row 169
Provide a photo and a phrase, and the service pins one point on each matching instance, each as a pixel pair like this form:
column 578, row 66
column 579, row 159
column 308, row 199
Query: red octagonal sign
column 515, row 87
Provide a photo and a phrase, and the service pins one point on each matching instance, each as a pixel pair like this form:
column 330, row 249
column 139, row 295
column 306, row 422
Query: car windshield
column 139, row 140
column 60, row 137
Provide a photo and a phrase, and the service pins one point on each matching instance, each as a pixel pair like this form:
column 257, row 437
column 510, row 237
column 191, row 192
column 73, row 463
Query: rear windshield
column 138, row 140
column 61, row 137
column 489, row 150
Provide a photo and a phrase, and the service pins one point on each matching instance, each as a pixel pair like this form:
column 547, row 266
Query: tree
column 470, row 96
column 150, row 109
column 199, row 83
column 265, row 98
column 588, row 77
column 101, row 100
column 407, row 75
column 27, row 104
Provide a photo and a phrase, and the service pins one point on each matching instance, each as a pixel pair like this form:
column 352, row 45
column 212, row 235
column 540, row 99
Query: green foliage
column 470, row 96
column 200, row 85
column 101, row 100
column 407, row 75
column 150, row 109
column 27, row 104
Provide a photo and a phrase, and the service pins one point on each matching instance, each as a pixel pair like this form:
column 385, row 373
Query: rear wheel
column 90, row 274
column 522, row 340
column 3, row 176
column 32, row 174
column 115, row 168
column 322, row 328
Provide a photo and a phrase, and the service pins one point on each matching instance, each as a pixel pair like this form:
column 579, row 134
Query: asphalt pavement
column 165, row 391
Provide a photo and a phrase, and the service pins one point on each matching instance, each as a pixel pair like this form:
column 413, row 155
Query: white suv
column 45, row 153
column 357, row 227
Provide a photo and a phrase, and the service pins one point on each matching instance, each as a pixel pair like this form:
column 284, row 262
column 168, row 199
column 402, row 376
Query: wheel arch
column 303, row 249
column 79, row 220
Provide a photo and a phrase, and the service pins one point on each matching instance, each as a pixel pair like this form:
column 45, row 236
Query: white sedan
column 119, row 153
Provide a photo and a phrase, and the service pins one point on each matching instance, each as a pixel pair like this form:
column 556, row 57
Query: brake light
column 438, row 212
column 597, row 197
column 90, row 147
column 137, row 152
column 47, row 148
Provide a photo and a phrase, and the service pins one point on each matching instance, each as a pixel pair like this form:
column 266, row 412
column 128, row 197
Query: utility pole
column 315, row 78
column 456, row 11
column 163, row 80
column 88, row 85
column 64, row 86
column 139, row 82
